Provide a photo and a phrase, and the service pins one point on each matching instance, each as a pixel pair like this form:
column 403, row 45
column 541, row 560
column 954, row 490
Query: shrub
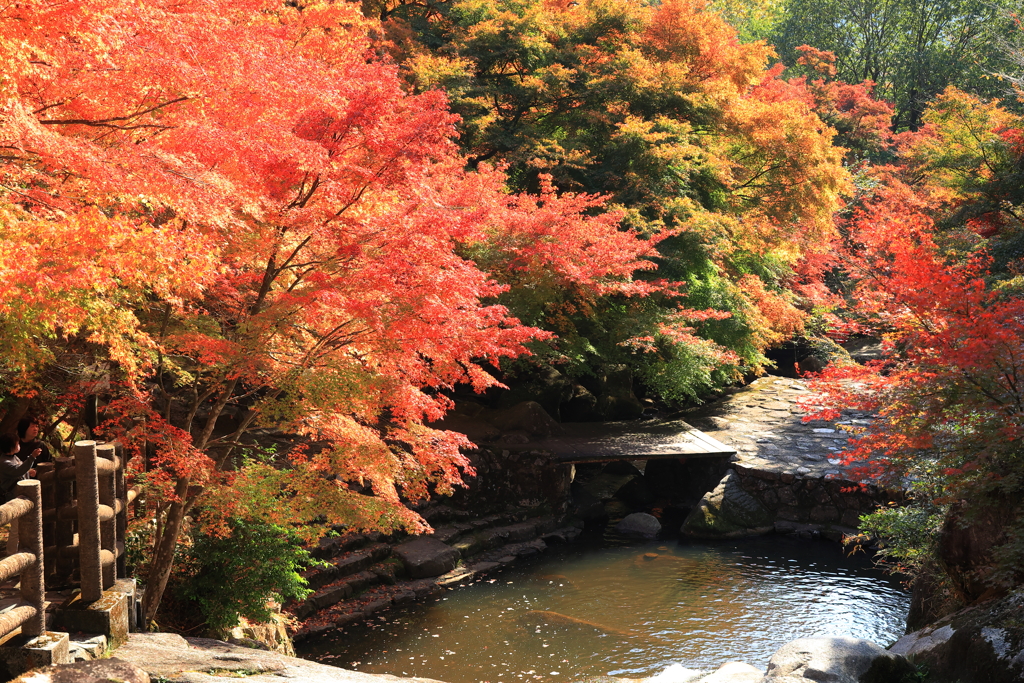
column 236, row 576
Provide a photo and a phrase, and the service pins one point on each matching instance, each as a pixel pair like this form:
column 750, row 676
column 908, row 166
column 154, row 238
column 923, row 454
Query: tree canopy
column 910, row 49
column 230, row 209
column 688, row 131
column 934, row 248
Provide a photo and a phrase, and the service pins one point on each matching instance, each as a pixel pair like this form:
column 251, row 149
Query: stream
column 605, row 607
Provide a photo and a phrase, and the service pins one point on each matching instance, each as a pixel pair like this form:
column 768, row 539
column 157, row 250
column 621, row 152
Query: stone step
column 452, row 554
column 346, row 565
column 332, row 546
column 373, row 600
column 335, row 593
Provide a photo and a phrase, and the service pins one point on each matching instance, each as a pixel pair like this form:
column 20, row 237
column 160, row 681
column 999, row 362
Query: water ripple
column 584, row 612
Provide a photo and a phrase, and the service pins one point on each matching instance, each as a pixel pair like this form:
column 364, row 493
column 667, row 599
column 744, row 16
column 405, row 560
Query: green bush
column 236, row 576
column 909, row 534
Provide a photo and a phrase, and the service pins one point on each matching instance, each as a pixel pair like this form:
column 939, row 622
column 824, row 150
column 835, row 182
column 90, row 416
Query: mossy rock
column 727, row 511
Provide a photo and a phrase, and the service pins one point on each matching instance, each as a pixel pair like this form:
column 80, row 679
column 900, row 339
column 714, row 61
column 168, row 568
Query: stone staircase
column 367, row 573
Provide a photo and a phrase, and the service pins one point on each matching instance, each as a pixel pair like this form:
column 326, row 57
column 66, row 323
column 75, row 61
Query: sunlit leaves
column 661, row 108
column 248, row 226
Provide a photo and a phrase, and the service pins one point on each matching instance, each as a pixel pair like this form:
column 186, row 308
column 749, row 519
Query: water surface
column 589, row 610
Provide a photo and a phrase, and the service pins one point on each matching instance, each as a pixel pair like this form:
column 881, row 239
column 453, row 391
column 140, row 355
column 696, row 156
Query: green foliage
column 684, row 372
column 911, row 49
column 932, row 271
column 684, row 128
column 138, row 542
column 1009, row 557
column 235, row 576
column 753, row 19
column 909, row 534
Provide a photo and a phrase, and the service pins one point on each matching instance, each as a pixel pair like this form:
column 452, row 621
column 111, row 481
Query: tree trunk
column 163, row 557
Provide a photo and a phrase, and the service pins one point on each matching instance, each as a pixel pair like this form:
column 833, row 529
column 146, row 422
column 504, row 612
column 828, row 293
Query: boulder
column 835, row 660
column 586, row 505
column 734, row 672
column 528, row 417
column 639, row 524
column 426, row 557
column 582, row 407
column 96, row 671
column 545, row 386
column 727, row 511
column 920, row 643
column 606, row 485
column 981, row 644
column 619, row 407
column 269, row 635
column 616, row 380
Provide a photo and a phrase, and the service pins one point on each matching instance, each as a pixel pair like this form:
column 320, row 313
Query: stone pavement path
column 764, row 423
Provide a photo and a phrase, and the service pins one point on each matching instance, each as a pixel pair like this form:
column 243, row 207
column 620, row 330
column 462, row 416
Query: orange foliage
column 230, row 206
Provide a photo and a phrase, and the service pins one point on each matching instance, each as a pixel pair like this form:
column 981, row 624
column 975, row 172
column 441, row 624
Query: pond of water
column 588, row 610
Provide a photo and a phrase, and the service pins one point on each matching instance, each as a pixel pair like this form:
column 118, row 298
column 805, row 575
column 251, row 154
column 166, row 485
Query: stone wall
column 813, row 500
column 508, row 479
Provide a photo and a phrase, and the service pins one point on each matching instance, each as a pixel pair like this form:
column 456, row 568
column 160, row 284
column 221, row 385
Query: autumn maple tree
column 932, row 250
column 227, row 219
column 309, row 222
column 694, row 135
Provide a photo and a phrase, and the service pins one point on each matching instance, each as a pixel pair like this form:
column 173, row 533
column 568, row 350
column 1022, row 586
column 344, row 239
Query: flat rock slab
column 763, row 421
column 581, row 442
column 174, row 659
column 100, row 671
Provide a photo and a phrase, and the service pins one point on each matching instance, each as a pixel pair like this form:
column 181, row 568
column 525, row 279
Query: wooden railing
column 26, row 512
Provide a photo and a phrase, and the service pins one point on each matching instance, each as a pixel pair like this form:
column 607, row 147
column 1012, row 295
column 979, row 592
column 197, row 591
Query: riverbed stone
column 981, row 644
column 727, row 511
column 735, row 672
column 675, row 673
column 639, row 524
column 564, row 535
column 835, row 660
column 425, row 557
column 203, row 660
column 98, row 671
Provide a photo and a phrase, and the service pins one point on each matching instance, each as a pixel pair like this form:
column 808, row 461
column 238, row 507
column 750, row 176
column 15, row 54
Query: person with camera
column 12, row 470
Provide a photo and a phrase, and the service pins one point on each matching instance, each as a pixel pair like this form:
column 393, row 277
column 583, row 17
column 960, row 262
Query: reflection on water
column 582, row 612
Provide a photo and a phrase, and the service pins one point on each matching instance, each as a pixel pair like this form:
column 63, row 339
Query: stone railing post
column 89, row 556
column 106, row 479
column 64, row 531
column 33, row 586
column 121, row 493
column 48, row 488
